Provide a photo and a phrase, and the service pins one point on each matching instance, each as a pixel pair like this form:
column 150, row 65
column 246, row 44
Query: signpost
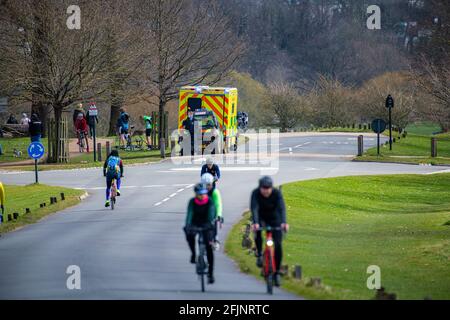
column 378, row 126
column 390, row 105
column 93, row 113
column 36, row 150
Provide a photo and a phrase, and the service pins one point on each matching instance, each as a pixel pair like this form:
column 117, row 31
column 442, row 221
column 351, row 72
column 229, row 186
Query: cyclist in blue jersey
column 112, row 169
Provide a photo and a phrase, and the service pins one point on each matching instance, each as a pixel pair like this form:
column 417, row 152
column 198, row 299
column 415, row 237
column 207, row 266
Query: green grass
column 9, row 144
column 340, row 226
column 423, row 128
column 18, row 198
column 415, row 148
column 84, row 160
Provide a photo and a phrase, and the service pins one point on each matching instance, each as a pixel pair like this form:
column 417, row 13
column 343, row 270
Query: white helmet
column 207, row 178
column 209, row 161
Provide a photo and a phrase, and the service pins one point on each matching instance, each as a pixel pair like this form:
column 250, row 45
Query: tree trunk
column 42, row 110
column 114, row 115
column 161, row 130
column 58, row 116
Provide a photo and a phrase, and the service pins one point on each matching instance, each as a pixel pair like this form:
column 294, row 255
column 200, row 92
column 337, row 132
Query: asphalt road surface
column 138, row 251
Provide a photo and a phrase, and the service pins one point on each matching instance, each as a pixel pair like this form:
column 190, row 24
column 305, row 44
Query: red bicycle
column 268, row 269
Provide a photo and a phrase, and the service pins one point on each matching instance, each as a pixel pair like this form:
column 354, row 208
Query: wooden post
column 16, row 215
column 99, row 151
column 63, row 197
column 27, row 210
column 108, row 148
column 9, row 217
column 360, row 145
column 433, row 147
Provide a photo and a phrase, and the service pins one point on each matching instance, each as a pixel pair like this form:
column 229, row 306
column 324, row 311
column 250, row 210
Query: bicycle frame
column 113, row 193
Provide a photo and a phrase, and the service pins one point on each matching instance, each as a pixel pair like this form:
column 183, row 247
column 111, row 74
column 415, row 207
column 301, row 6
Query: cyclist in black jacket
column 268, row 209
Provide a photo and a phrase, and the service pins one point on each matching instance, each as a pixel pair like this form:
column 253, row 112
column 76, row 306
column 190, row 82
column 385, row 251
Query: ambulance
column 215, row 106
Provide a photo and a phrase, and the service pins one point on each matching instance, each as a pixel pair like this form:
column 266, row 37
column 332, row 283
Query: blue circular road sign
column 36, row 150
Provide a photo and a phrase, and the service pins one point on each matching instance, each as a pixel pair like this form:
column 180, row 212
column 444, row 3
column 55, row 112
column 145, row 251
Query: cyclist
column 112, row 169
column 201, row 214
column 148, row 130
column 211, row 168
column 82, row 127
column 214, row 193
column 268, row 209
column 2, row 202
column 123, row 125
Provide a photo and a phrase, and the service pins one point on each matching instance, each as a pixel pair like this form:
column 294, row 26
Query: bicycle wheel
column 269, row 276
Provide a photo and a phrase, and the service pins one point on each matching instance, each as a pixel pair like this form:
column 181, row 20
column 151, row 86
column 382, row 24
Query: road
column 139, row 251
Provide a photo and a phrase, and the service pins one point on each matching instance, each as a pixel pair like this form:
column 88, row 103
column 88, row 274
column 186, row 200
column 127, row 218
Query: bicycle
column 269, row 266
column 81, row 141
column 201, row 266
column 113, row 193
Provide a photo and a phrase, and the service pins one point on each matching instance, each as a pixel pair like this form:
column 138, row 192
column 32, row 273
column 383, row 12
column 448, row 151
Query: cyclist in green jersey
column 148, row 130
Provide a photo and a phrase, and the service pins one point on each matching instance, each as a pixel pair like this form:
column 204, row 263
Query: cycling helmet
column 114, row 153
column 80, row 116
column 207, row 178
column 209, row 161
column 200, row 189
column 266, row 182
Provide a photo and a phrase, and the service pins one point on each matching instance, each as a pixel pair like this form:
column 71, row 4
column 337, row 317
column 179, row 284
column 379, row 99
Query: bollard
column 360, row 126
column 55, row 200
column 108, row 148
column 27, row 210
column 51, row 200
column 9, row 217
column 41, row 205
column 298, row 272
column 360, row 145
column 45, row 204
column 16, row 215
column 99, row 152
column 365, row 127
column 63, row 197
column 433, row 147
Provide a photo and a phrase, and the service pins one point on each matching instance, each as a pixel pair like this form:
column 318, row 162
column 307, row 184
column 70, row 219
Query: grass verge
column 414, row 149
column 340, row 226
column 18, row 198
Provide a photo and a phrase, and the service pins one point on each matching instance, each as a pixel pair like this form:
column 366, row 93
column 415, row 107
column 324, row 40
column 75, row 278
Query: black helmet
column 266, row 182
column 114, row 153
column 200, row 188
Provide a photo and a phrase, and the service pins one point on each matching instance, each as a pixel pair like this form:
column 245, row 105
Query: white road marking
column 311, row 169
column 174, row 170
column 154, row 186
column 158, row 204
column 166, row 199
column 181, row 190
column 172, row 195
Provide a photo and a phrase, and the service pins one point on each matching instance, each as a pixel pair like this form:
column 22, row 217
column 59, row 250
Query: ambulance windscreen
column 194, row 103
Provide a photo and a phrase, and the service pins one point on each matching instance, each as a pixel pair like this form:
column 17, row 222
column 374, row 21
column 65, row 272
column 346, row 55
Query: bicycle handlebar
column 269, row 228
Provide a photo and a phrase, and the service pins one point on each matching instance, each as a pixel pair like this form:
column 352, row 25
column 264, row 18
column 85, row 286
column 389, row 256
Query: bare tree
column 191, row 44
column 333, row 105
column 43, row 60
column 283, row 107
column 373, row 95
